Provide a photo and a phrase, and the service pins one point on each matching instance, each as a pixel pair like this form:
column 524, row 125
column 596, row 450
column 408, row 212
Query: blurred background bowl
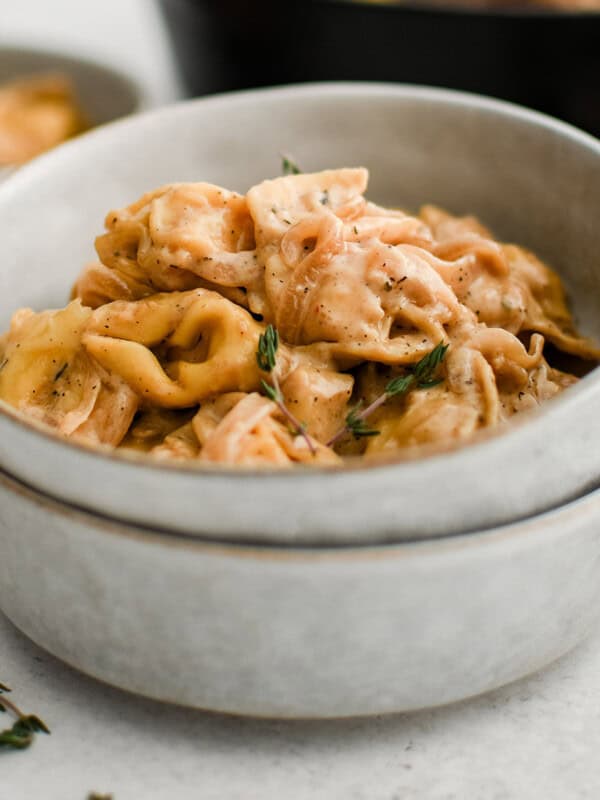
column 105, row 94
column 92, row 92
column 542, row 57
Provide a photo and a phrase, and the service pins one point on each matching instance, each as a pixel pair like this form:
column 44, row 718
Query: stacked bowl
column 318, row 593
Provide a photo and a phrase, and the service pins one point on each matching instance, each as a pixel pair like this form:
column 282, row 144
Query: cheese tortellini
column 157, row 350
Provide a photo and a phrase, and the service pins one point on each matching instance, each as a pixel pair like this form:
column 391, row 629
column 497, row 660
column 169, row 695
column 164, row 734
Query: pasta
column 299, row 324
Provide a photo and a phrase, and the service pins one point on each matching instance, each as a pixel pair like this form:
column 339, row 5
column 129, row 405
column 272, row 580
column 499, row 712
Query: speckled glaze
column 286, row 632
column 534, row 180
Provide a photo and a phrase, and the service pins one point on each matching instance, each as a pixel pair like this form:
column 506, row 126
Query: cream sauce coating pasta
column 157, row 350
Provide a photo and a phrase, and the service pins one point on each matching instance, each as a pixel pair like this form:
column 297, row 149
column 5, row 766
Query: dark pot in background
column 548, row 60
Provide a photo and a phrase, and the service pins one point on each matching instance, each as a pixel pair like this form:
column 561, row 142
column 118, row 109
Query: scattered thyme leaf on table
column 21, row 734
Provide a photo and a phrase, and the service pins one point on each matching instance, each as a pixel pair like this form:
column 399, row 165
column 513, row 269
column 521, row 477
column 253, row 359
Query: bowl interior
column 104, row 93
column 534, row 181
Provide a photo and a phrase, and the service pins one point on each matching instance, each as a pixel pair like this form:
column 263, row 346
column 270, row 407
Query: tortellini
column 157, row 351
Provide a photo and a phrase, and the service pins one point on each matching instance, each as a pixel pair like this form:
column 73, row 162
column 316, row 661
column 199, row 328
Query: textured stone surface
column 538, row 738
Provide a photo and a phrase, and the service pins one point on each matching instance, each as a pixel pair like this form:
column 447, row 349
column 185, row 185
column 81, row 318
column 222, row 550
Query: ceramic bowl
column 312, row 594
column 104, row 92
column 298, row 632
column 532, row 179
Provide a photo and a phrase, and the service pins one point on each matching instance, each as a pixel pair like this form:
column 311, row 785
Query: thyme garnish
column 289, row 167
column 266, row 358
column 357, row 423
column 268, row 344
column 422, row 376
column 22, row 733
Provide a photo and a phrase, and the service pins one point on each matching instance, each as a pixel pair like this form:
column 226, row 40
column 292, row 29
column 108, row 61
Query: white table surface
column 539, row 738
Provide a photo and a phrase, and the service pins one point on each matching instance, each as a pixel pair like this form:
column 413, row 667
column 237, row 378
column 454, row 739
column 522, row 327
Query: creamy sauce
column 158, row 349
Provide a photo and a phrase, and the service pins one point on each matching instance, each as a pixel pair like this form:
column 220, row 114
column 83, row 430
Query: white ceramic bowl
column 104, row 92
column 153, row 578
column 291, row 632
column 534, row 180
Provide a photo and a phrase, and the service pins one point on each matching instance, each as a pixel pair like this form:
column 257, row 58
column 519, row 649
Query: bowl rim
column 277, row 551
column 484, row 442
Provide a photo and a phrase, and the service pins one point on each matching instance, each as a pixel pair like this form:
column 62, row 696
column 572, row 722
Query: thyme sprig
column 289, row 167
column 356, row 423
column 266, row 358
column 21, row 734
column 422, row 376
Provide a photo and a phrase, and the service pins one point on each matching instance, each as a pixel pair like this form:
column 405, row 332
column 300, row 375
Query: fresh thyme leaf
column 356, row 425
column 36, row 724
column 430, row 384
column 270, row 391
column 427, row 366
column 266, row 358
column 289, row 167
column 399, row 385
column 361, row 429
column 268, row 344
column 423, row 373
column 20, row 736
column 15, row 738
column 422, row 376
column 22, row 733
column 352, row 416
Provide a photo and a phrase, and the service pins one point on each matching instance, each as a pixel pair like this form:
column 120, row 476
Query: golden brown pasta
column 47, row 374
column 299, row 324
